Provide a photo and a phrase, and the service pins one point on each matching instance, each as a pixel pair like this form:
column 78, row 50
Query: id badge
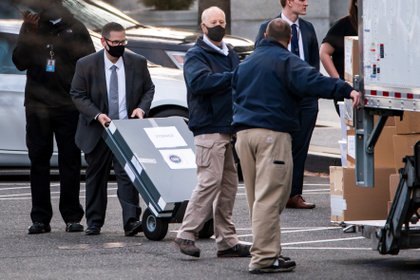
column 50, row 65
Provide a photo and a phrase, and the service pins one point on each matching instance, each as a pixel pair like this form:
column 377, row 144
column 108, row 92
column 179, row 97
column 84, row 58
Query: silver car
column 169, row 99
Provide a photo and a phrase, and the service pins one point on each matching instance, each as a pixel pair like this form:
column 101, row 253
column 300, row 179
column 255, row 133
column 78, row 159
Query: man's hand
column 31, row 19
column 137, row 113
column 356, row 97
column 103, row 119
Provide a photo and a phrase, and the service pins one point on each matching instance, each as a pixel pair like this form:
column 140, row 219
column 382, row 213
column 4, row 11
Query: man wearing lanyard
column 50, row 42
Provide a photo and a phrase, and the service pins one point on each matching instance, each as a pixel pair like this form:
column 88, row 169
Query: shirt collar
column 108, row 63
column 224, row 50
column 289, row 21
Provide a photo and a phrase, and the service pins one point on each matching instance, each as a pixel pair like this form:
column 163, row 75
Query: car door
column 13, row 151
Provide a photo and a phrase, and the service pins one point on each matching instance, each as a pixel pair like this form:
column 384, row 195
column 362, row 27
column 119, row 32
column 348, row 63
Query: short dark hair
column 283, row 3
column 111, row 26
column 278, row 30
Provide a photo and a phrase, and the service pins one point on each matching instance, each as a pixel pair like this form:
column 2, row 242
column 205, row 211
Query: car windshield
column 95, row 14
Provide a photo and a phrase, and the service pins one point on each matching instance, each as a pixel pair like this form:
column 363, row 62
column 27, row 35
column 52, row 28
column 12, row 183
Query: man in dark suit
column 110, row 84
column 305, row 45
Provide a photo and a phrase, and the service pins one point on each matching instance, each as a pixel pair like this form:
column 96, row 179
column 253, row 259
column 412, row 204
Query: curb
column 320, row 163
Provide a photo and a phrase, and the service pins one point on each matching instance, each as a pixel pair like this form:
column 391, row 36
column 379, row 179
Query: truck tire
column 154, row 228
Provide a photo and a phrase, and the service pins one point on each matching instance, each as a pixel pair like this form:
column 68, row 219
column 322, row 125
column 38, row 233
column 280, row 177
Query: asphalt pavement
column 321, row 249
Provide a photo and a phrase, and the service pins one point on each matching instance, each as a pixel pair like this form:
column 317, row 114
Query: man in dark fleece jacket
column 267, row 88
column 49, row 45
column 208, row 72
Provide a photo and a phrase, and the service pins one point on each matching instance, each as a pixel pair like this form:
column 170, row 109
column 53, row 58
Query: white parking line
column 329, row 248
column 291, row 230
column 316, row 190
column 26, row 196
column 14, row 188
column 314, row 184
column 310, row 229
column 323, row 241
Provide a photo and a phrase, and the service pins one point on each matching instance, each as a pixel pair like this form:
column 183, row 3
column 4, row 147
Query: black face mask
column 216, row 33
column 115, row 51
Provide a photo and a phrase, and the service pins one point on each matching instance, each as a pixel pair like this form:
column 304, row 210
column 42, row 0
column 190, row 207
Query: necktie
column 294, row 46
column 113, row 110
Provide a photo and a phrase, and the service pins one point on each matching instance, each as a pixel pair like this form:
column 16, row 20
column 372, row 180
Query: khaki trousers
column 267, row 166
column 216, row 189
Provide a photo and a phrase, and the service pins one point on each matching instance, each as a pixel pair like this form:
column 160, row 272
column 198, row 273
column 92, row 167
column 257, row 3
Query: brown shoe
column 187, row 247
column 297, row 202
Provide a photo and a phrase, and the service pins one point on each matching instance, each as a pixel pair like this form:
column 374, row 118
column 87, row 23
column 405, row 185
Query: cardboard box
column 410, row 124
column 351, row 57
column 389, row 205
column 346, row 113
column 384, row 153
column 389, row 122
column 403, row 146
column 343, row 152
column 351, row 148
column 350, row 202
column 394, row 180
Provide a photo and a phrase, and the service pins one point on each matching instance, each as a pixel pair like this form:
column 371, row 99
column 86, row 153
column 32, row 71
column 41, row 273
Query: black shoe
column 187, row 247
column 132, row 228
column 284, row 258
column 74, row 227
column 37, row 228
column 239, row 250
column 280, row 265
column 93, row 230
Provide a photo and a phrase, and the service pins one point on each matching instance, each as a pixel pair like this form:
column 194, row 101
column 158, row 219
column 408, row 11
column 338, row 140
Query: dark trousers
column 42, row 124
column 301, row 140
column 100, row 162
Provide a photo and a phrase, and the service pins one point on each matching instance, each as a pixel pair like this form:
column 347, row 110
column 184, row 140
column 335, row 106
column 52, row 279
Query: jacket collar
column 200, row 42
column 270, row 42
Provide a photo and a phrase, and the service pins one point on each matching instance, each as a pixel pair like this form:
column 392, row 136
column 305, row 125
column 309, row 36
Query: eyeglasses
column 117, row 43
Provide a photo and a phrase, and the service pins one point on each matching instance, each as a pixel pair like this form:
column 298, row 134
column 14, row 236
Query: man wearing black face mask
column 111, row 84
column 50, row 42
column 208, row 72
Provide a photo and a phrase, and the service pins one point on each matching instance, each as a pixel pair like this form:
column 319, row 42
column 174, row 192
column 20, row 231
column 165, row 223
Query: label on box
column 351, row 146
column 338, row 205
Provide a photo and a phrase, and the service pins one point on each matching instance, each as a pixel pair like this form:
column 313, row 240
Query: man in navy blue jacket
column 208, row 72
column 307, row 49
column 267, row 89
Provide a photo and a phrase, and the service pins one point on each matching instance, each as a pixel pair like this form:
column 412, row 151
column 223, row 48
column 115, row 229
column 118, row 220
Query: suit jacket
column 309, row 40
column 89, row 93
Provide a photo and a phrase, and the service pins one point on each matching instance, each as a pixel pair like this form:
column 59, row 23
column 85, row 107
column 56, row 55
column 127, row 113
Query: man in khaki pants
column 267, row 88
column 208, row 72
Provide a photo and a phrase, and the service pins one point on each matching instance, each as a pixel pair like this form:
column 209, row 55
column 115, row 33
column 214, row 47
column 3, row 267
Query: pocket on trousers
column 203, row 153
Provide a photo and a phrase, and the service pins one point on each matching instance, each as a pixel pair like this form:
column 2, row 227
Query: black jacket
column 89, row 93
column 69, row 40
column 208, row 77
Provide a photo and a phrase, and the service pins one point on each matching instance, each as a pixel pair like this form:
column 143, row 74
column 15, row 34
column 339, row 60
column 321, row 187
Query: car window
column 7, row 44
column 95, row 16
column 9, row 11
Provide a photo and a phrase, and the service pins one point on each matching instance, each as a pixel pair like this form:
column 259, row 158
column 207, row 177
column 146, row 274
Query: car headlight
column 177, row 58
